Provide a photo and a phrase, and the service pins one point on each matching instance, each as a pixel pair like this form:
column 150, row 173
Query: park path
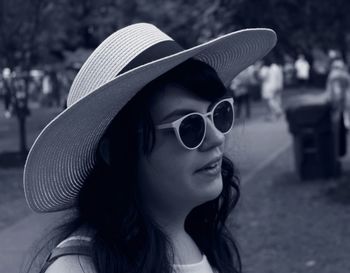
column 255, row 144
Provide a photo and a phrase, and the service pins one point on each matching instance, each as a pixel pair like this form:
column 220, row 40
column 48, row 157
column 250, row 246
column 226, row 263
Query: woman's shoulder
column 72, row 255
column 73, row 264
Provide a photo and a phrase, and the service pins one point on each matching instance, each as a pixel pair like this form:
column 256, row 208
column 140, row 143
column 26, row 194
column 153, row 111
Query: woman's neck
column 171, row 220
column 185, row 249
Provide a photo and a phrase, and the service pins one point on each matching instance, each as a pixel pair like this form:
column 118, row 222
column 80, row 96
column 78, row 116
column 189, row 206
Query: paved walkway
column 253, row 145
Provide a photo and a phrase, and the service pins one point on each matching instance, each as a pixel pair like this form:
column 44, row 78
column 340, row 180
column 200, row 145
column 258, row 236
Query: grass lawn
column 286, row 225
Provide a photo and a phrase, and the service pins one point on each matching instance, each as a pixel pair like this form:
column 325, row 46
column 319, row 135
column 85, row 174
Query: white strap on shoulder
column 74, row 238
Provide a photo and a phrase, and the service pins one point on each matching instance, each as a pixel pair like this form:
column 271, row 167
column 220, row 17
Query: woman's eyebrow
column 178, row 112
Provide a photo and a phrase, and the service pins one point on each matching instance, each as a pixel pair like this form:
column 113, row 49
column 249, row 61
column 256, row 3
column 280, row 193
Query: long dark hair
column 125, row 238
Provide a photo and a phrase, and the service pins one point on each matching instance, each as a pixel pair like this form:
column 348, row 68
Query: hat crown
column 112, row 56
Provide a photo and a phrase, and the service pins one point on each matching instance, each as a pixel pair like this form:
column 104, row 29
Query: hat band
column 155, row 52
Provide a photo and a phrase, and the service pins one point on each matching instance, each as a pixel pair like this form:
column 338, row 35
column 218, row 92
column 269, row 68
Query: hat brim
column 63, row 154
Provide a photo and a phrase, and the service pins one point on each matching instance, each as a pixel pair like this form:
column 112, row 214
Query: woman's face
column 172, row 176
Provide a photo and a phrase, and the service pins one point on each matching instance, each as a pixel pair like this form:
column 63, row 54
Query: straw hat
column 63, row 154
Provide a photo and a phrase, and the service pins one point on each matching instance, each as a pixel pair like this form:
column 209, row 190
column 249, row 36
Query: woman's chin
column 210, row 189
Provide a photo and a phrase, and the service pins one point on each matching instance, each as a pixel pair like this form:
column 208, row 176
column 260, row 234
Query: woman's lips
column 213, row 168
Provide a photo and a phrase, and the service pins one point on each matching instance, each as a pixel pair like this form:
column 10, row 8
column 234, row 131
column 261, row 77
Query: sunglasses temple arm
column 165, row 126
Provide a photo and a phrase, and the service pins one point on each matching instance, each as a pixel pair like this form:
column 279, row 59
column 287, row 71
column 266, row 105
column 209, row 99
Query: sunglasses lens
column 223, row 116
column 191, row 130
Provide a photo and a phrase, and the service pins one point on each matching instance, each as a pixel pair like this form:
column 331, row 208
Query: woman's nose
column 213, row 137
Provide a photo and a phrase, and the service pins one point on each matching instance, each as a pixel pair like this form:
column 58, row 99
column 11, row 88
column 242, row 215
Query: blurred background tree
column 58, row 35
column 37, row 32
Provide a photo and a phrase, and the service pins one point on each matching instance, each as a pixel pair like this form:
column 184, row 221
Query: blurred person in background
column 255, row 84
column 138, row 157
column 288, row 71
column 7, row 86
column 302, row 70
column 20, row 84
column 66, row 80
column 271, row 75
column 51, row 88
column 46, row 95
column 240, row 87
column 55, row 79
column 338, row 91
column 35, row 85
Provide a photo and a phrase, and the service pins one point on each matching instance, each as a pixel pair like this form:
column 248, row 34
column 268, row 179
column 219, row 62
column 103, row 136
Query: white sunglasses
column 191, row 129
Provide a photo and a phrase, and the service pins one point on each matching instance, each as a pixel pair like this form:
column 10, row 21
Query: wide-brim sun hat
column 64, row 153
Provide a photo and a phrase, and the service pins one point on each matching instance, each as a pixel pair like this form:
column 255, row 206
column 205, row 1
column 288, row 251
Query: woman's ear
column 104, row 150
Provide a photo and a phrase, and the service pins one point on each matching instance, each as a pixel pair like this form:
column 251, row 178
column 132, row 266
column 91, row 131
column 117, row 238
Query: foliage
column 35, row 32
column 301, row 25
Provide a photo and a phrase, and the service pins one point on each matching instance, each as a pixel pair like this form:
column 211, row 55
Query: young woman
column 138, row 156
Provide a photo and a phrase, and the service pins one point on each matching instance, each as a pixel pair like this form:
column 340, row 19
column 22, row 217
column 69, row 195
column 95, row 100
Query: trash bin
column 314, row 124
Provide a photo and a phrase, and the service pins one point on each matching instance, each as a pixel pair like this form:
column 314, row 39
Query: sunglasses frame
column 175, row 125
